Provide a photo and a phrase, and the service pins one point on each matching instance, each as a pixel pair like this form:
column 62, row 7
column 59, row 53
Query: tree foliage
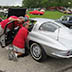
column 31, row 3
column 46, row 3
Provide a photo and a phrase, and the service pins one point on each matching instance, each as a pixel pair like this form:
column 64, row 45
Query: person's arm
column 13, row 19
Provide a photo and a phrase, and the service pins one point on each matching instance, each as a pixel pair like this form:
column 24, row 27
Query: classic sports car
column 36, row 12
column 66, row 20
column 48, row 37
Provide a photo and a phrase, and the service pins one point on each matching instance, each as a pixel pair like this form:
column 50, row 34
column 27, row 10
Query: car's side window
column 70, row 19
column 48, row 26
column 64, row 18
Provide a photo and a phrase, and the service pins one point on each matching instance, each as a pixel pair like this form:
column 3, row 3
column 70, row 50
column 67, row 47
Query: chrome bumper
column 61, row 56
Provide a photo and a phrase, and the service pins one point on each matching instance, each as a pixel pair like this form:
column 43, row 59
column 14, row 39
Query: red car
column 36, row 12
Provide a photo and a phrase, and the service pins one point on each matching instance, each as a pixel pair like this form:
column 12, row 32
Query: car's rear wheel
column 37, row 52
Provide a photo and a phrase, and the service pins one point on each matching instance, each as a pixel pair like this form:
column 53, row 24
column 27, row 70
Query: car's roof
column 42, row 20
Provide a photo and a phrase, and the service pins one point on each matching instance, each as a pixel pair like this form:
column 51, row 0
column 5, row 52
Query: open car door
column 9, row 35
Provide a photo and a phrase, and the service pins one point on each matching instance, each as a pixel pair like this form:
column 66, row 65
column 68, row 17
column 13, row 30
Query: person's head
column 26, row 25
column 15, row 18
column 21, row 19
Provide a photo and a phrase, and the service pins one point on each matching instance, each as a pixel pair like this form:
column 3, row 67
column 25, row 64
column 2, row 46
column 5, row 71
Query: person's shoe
column 10, row 57
column 10, row 54
column 15, row 57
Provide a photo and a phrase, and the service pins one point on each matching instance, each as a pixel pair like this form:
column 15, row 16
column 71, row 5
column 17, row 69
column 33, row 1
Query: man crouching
column 18, row 44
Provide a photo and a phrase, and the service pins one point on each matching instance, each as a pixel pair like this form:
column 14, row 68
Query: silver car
column 48, row 37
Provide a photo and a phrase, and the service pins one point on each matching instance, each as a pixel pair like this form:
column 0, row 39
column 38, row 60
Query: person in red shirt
column 18, row 22
column 18, row 43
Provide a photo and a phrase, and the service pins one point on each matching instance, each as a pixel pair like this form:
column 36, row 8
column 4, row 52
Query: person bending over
column 18, row 22
column 18, row 44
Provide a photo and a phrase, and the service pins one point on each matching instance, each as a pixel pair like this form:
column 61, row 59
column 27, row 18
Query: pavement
column 27, row 64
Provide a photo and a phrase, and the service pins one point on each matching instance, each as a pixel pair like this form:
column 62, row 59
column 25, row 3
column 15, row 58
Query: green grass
column 49, row 14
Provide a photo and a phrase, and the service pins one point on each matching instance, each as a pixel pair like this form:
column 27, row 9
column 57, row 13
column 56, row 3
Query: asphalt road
column 27, row 64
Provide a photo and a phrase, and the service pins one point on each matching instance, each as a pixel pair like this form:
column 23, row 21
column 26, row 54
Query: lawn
column 49, row 14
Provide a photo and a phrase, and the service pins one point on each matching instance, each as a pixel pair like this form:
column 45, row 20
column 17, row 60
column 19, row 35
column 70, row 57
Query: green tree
column 46, row 3
column 31, row 3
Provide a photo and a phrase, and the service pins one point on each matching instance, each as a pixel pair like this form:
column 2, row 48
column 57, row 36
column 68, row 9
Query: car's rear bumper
column 61, row 56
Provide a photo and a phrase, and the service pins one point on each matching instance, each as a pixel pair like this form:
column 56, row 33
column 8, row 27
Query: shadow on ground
column 58, row 64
